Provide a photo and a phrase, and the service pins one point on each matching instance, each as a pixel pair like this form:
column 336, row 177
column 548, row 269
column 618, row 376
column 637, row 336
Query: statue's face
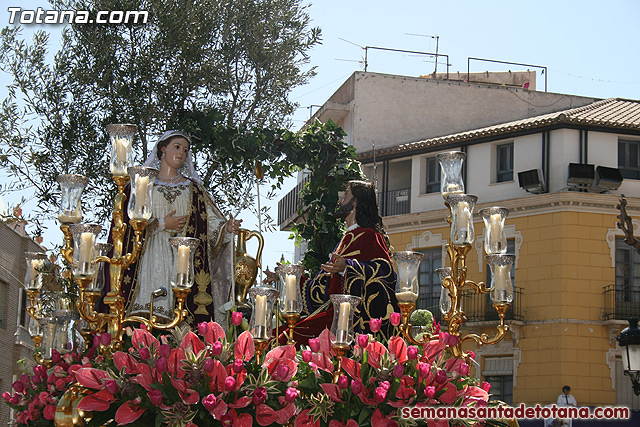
column 175, row 153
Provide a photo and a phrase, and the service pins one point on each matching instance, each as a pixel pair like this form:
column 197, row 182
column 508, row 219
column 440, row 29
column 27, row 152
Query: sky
column 589, row 48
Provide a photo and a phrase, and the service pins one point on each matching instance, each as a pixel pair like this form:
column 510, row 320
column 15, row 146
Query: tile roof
column 613, row 113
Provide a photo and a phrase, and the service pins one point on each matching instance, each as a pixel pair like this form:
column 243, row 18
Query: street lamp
column 629, row 341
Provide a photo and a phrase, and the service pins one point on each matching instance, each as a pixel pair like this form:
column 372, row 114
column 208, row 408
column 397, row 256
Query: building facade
column 559, row 163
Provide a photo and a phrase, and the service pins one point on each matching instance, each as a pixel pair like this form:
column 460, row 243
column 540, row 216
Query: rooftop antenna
column 437, row 38
column 360, row 61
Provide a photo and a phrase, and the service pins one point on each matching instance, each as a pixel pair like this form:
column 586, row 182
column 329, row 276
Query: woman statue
column 183, row 208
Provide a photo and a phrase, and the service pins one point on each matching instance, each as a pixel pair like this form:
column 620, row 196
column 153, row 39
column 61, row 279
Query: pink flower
column 105, row 338
column 208, row 366
column 216, row 349
column 229, row 383
column 375, row 324
column 15, row 399
column 111, row 386
column 356, row 386
column 430, row 392
column 380, row 394
column 441, row 376
column 385, row 385
column 398, row 370
column 238, row 366
column 161, row 365
column 61, row 384
column 6, row 396
column 463, row 369
column 18, row 386
column 436, row 329
column 306, row 356
column 49, row 412
column 282, row 371
column 202, row 328
column 343, row 382
column 363, row 340
column 290, row 394
column 144, row 353
column 209, row 402
column 412, row 352
column 259, row 395
column 471, row 354
column 236, row 318
column 485, row 386
column 314, row 344
column 164, row 350
column 155, row 397
column 395, row 318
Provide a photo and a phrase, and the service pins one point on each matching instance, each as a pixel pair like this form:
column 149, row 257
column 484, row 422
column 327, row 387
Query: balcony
column 478, row 307
column 621, row 302
column 395, row 202
column 289, row 204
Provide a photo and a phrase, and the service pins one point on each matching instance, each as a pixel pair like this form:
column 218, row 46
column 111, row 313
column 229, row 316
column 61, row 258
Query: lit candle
column 496, row 227
column 406, row 296
column 462, row 220
column 142, row 183
column 87, row 240
column 121, row 150
column 451, row 188
column 343, row 318
column 36, row 265
column 261, row 311
column 501, row 276
column 70, row 216
column 183, row 259
column 291, row 291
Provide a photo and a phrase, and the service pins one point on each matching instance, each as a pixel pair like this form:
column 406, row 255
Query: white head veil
column 187, row 169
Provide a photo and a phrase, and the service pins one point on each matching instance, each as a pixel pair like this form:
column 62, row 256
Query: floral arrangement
column 188, row 379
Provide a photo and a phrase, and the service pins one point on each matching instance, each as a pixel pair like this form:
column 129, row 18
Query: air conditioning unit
column 532, row 181
column 581, row 174
column 608, row 178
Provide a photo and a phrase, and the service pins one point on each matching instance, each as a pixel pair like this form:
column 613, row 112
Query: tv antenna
column 437, row 38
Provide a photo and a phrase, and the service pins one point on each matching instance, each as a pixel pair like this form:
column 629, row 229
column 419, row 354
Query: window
column 498, row 371
column 3, row 304
column 627, row 273
column 430, row 286
column 504, row 162
column 23, row 307
column 629, row 159
column 433, row 176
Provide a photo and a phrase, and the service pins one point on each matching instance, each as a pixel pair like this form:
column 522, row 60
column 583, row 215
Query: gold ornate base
column 292, row 319
column 340, row 350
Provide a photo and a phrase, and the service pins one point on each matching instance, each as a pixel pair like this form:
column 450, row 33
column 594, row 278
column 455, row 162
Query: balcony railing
column 289, row 204
column 479, row 308
column 395, row 202
column 621, row 302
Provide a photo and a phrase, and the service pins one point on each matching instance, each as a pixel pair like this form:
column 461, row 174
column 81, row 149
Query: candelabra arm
column 86, row 309
column 138, row 228
column 31, row 309
column 479, row 287
column 179, row 313
column 406, row 328
column 67, row 250
column 483, row 339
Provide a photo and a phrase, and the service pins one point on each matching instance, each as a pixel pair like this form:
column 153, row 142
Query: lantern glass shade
column 629, row 341
column 445, row 297
column 495, row 241
column 451, row 181
column 344, row 307
column 289, row 286
column 121, row 137
column 101, row 249
column 35, row 270
column 461, row 205
column 140, row 200
column 262, row 298
column 501, row 289
column 84, row 249
column 71, row 188
column 184, row 249
column 407, row 264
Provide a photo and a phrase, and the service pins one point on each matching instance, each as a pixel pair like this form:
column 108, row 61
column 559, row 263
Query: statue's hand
column 233, row 225
column 172, row 222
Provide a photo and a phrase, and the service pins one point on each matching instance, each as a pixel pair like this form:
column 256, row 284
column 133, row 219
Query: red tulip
column 375, row 324
column 343, row 382
column 209, row 402
column 236, row 318
column 395, row 318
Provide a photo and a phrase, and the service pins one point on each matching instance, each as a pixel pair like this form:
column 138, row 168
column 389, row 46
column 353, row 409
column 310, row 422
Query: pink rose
column 229, row 383
column 49, row 412
column 161, row 365
column 144, row 353
column 430, row 392
column 155, row 397
column 238, row 366
column 236, row 318
column 216, row 349
column 164, row 350
column 343, row 382
column 485, row 386
column 441, row 376
column 356, row 386
column 209, row 402
column 314, row 344
column 375, row 324
column 291, row 394
column 363, row 340
column 398, row 370
column 380, row 394
column 306, row 356
column 395, row 318
column 111, row 386
column 259, row 395
column 208, row 365
column 61, row 384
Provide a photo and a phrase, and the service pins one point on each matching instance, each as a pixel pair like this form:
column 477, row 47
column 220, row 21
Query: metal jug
column 246, row 266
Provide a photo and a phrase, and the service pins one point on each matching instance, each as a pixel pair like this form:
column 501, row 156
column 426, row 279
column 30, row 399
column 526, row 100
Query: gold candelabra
column 454, row 279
